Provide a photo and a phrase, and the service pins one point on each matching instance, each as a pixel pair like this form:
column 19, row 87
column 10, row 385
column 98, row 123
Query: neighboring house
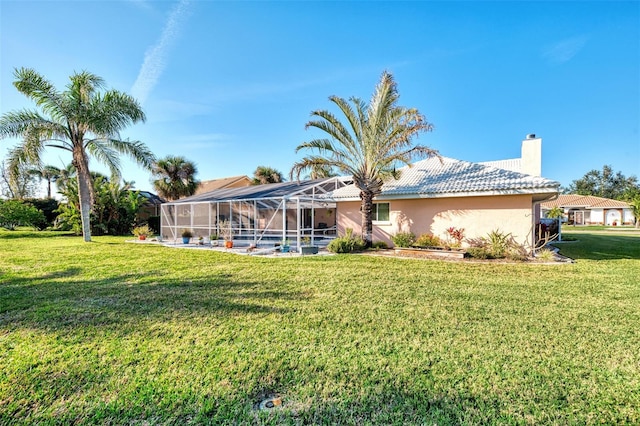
column 151, row 207
column 434, row 195
column 222, row 183
column 591, row 210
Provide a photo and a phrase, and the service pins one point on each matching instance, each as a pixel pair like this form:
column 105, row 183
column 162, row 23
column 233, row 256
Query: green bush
column 379, row 245
column 428, row 240
column 478, row 253
column 48, row 207
column 14, row 213
column 403, row 239
column 349, row 243
column 498, row 243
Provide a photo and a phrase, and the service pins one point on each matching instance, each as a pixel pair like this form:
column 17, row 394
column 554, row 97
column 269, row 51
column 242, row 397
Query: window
column 380, row 212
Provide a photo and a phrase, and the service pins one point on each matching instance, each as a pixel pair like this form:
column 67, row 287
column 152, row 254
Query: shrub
column 186, row 233
column 348, row 243
column 478, row 253
column 497, row 243
column 15, row 213
column 546, row 255
column 379, row 245
column 517, row 253
column 457, row 235
column 143, row 230
column 403, row 239
column 428, row 240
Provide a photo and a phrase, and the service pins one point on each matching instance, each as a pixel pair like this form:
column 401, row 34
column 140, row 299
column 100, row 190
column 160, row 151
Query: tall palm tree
column 48, row 173
column 374, row 140
column 320, row 171
column 174, row 177
column 264, row 174
column 80, row 120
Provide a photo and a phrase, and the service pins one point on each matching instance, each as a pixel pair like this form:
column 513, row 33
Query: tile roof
column 228, row 182
column 514, row 164
column 584, row 201
column 450, row 178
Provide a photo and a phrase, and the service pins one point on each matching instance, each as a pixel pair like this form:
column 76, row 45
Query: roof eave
column 540, row 194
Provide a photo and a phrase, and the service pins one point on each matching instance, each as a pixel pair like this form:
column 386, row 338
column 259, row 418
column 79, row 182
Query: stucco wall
column 477, row 215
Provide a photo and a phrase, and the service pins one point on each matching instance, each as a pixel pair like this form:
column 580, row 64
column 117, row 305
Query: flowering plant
column 457, row 235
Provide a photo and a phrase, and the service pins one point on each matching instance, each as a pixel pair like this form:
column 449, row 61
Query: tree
column 264, row 174
column 321, row 171
column 17, row 184
column 374, row 140
column 606, row 184
column 48, row 173
column 80, row 120
column 115, row 210
column 174, row 177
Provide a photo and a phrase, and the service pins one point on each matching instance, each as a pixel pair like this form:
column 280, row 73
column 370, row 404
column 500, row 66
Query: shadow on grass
column 600, row 246
column 53, row 301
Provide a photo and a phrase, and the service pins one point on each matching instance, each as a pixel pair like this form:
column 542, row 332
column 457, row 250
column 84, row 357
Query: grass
column 115, row 333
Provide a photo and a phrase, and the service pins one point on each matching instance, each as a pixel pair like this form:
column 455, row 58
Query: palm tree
column 80, row 120
column 320, row 171
column 174, row 177
column 374, row 140
column 48, row 173
column 264, row 174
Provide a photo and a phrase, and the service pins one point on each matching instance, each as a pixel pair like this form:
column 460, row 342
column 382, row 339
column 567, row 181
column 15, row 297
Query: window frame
column 375, row 213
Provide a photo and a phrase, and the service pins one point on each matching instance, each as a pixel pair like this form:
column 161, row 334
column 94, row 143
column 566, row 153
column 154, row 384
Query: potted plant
column 142, row 232
column 284, row 248
column 307, row 248
column 214, row 240
column 186, row 236
column 227, row 233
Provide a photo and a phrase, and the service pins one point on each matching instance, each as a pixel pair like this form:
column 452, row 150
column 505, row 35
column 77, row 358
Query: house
column 431, row 196
column 439, row 193
column 150, row 207
column 222, row 183
column 591, row 210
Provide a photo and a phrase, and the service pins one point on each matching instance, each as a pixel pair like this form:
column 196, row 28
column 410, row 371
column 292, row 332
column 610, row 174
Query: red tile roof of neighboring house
column 584, row 201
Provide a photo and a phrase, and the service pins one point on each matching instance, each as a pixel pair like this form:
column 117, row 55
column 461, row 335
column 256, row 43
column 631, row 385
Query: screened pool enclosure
column 260, row 214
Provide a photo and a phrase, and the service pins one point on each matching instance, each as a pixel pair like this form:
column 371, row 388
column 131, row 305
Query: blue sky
column 230, row 85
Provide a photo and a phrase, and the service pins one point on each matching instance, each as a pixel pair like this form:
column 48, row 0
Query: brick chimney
column 532, row 155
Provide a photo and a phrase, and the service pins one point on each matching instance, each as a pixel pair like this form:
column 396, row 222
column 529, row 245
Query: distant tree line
column 606, row 183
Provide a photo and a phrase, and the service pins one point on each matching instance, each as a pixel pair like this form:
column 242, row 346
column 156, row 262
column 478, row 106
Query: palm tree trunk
column 85, row 197
column 367, row 223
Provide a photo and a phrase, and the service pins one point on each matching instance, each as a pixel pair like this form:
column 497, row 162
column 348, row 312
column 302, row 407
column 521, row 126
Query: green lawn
column 113, row 333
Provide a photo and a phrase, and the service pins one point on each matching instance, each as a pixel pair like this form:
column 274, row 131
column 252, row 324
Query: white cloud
column 565, row 50
column 155, row 58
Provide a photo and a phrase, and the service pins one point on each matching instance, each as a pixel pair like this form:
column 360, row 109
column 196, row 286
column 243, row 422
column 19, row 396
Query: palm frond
column 103, row 151
column 136, row 150
column 36, row 87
